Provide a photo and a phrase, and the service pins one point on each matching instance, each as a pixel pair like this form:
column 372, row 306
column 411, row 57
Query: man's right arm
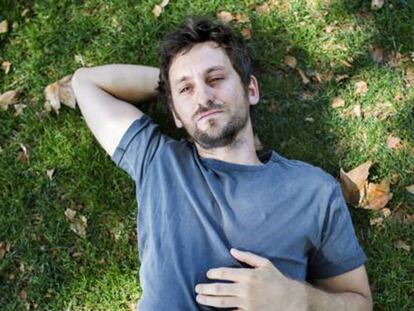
column 106, row 94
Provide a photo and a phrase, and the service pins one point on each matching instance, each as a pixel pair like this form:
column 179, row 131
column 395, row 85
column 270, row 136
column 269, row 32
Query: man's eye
column 216, row 79
column 184, row 90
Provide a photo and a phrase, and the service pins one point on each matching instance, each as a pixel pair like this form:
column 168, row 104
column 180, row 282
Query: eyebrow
column 209, row 70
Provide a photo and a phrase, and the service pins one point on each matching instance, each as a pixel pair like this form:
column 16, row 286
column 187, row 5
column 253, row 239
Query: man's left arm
column 264, row 287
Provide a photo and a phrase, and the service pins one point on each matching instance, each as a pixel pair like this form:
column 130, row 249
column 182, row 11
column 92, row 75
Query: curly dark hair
column 197, row 30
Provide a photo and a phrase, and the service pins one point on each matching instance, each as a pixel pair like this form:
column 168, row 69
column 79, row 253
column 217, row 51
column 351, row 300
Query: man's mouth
column 208, row 113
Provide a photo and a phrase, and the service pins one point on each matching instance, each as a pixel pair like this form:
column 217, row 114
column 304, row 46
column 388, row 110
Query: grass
column 59, row 270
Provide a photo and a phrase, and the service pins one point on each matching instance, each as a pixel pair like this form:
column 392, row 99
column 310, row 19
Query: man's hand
column 262, row 287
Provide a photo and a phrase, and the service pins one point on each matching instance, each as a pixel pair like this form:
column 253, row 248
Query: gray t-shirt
column 192, row 210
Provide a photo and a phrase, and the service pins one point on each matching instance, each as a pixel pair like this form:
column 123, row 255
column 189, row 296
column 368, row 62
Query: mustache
column 209, row 107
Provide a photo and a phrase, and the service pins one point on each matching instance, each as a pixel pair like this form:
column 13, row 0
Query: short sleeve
column 339, row 250
column 138, row 147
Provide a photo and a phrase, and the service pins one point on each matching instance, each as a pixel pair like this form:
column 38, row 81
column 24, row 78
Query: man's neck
column 241, row 151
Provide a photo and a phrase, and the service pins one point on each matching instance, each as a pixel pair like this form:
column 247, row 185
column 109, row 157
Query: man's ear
column 253, row 91
column 177, row 120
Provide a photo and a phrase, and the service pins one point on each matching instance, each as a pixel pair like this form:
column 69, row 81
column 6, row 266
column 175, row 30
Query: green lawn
column 49, row 267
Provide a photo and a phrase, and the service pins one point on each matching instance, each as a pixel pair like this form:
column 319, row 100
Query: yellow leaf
column 393, row 142
column 377, row 195
column 290, row 61
column 225, row 17
column 4, row 26
column 337, row 102
column 353, row 182
column 376, row 4
column 410, row 189
column 361, row 88
column 8, row 98
column 6, row 66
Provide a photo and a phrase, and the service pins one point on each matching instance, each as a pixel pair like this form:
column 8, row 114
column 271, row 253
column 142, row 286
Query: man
column 218, row 225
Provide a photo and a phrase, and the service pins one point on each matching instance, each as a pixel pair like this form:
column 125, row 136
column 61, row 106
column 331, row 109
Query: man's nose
column 206, row 95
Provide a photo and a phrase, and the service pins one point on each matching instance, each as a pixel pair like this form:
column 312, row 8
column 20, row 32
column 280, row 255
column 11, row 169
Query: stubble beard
column 224, row 137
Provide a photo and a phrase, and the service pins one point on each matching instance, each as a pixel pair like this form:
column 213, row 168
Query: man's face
column 209, row 99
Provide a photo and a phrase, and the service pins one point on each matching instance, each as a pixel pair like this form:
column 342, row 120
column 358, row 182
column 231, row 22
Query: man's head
column 205, row 67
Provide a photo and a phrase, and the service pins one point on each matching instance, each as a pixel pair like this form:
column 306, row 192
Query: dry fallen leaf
column 361, row 88
column 356, row 111
column 257, row 143
column 225, row 17
column 377, row 195
column 353, row 182
column 337, row 102
column 4, row 248
column 410, row 189
column 158, row 8
column 23, row 294
column 290, row 61
column 412, row 56
column 19, row 109
column 49, row 173
column 339, row 78
column 23, row 155
column 303, row 76
column 79, row 226
column 346, row 63
column 329, row 29
column 60, row 92
column 377, row 54
column 386, row 212
column 6, row 66
column 376, row 4
column 409, row 77
column 70, row 214
column 8, row 98
column 4, row 26
column 246, row 33
column 262, row 8
column 309, row 119
column 377, row 221
column 393, row 142
column 402, row 245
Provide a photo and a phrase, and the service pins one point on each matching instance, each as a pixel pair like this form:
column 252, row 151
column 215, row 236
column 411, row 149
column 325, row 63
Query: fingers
column 218, row 289
column 219, row 302
column 250, row 258
column 229, row 274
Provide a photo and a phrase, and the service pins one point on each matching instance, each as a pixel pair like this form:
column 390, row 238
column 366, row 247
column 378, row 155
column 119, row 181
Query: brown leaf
column 337, row 102
column 263, row 8
column 23, row 294
column 23, row 155
column 49, row 173
column 393, row 142
column 410, row 189
column 402, row 245
column 376, row 4
column 225, row 17
column 386, row 212
column 339, row 78
column 70, row 214
column 377, row 221
column 8, row 98
column 4, row 26
column 377, row 195
column 377, row 54
column 241, row 18
column 6, row 66
column 409, row 77
column 346, row 63
column 4, row 248
column 257, row 143
column 353, row 182
column 303, row 76
column 290, row 61
column 157, row 10
column 79, row 226
column 60, row 92
column 361, row 88
column 329, row 29
column 246, row 33
column 19, row 109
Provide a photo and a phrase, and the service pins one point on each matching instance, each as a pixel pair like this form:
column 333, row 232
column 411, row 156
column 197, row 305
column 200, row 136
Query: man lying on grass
column 218, row 225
